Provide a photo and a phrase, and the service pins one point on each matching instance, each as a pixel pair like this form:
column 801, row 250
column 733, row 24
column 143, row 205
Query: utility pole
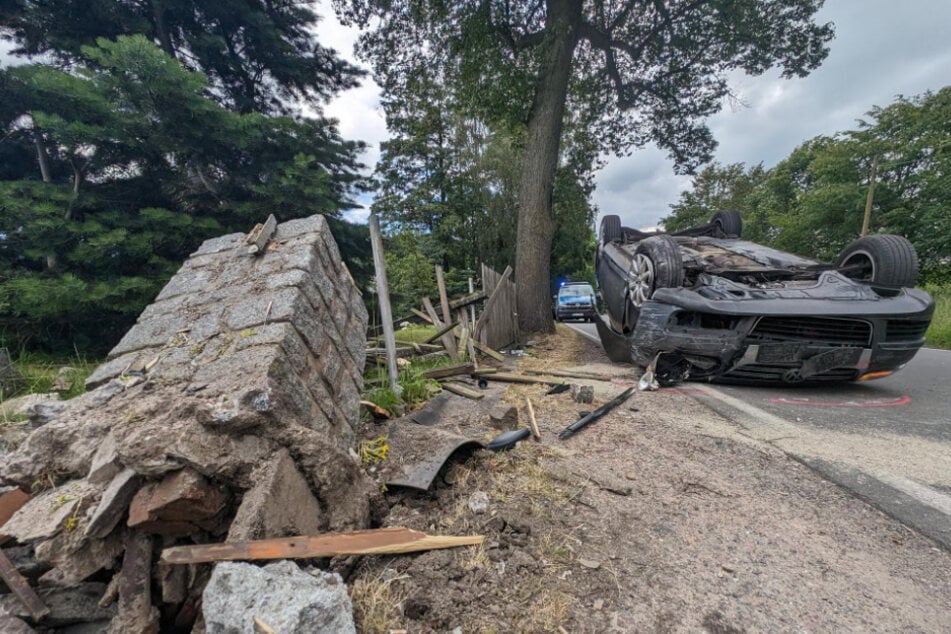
column 868, row 199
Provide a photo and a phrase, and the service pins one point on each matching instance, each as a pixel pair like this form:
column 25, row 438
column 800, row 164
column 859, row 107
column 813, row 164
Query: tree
column 627, row 72
column 127, row 167
column 716, row 188
column 259, row 55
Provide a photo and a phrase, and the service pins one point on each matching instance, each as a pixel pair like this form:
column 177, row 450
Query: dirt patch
column 649, row 520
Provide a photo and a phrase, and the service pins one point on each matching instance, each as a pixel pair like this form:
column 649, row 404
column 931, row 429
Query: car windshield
column 581, row 290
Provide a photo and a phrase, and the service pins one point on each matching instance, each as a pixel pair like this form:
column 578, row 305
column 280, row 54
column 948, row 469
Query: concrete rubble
column 227, row 412
column 239, row 593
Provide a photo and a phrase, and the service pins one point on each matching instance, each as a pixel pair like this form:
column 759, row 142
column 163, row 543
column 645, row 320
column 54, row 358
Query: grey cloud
column 882, row 49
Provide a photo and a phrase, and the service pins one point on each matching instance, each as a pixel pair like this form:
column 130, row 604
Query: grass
column 39, row 374
column 416, row 389
column 377, row 603
column 939, row 334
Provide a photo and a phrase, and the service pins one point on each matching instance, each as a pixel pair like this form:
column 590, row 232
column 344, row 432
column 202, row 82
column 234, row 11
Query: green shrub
column 939, row 334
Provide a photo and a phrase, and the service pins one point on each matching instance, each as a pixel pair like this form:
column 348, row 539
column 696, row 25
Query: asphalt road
column 887, row 441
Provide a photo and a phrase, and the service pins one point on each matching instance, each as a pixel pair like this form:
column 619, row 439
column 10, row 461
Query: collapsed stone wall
column 228, row 409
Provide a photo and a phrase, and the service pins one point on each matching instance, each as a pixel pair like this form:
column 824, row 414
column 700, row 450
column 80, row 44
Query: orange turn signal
column 869, row 376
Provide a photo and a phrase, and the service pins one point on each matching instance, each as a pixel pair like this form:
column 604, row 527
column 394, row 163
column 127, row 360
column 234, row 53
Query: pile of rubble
column 226, row 413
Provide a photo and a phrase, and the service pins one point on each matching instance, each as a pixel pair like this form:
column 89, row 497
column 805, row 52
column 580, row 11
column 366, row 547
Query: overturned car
column 703, row 304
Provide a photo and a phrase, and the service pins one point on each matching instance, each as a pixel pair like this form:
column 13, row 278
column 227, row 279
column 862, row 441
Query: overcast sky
column 882, row 48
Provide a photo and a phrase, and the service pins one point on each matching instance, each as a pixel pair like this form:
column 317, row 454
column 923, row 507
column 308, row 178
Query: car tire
column 611, row 229
column 881, row 260
column 729, row 222
column 657, row 263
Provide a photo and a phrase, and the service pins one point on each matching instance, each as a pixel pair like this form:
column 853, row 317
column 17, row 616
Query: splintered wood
column 383, row 541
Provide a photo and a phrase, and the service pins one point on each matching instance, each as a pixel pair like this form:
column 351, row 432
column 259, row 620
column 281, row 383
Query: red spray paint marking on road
column 895, row 402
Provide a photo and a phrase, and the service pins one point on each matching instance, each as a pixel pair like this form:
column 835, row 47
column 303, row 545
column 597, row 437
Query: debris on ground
column 280, row 595
column 227, row 412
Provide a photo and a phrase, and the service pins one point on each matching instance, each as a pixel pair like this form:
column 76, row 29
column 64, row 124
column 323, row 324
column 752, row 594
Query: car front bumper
column 785, row 336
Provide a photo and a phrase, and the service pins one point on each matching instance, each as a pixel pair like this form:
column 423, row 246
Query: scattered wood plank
column 261, row 234
column 467, row 300
column 464, row 336
column 383, row 541
column 422, row 315
column 531, row 419
column 493, row 298
column 484, row 371
column 508, row 377
column 260, row 627
column 452, row 370
column 443, row 297
column 486, row 350
column 375, row 410
column 461, row 390
column 448, row 339
column 21, row 587
column 440, row 332
column 472, row 354
column 426, row 347
column 571, row 375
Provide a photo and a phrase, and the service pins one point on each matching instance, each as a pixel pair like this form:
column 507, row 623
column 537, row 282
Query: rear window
column 579, row 290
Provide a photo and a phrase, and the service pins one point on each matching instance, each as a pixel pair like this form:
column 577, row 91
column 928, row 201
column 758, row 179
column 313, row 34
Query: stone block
column 67, row 606
column 180, row 504
column 280, row 504
column 582, row 393
column 46, row 513
column 113, row 504
column 288, row 599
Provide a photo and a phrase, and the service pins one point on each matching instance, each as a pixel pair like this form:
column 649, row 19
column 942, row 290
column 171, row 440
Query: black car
column 703, row 304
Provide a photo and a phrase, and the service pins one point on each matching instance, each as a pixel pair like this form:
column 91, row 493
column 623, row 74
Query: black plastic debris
column 596, row 414
column 558, row 389
column 506, row 440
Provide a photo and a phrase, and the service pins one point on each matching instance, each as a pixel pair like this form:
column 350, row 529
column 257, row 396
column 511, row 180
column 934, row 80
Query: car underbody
column 702, row 305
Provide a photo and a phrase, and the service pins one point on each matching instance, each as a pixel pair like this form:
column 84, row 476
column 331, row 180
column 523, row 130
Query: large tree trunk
column 535, row 222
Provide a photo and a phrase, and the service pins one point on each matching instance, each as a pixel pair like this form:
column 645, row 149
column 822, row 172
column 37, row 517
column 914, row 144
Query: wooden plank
column 443, row 297
column 452, row 370
column 520, row 378
column 484, row 371
column 467, row 300
column 493, row 299
column 464, row 336
column 461, row 390
column 21, row 588
column 423, row 316
column 571, row 375
column 531, row 419
column 440, row 332
column 448, row 340
column 486, row 350
column 383, row 541
column 472, row 354
column 383, row 294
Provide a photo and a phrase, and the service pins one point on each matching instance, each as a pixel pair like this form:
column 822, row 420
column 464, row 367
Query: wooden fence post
column 383, row 292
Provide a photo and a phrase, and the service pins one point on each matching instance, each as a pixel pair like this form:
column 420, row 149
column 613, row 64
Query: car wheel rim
column 641, row 279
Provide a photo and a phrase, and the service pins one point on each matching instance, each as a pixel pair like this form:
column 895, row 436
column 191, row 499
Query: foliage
column 813, row 202
column 939, row 333
column 573, row 78
column 127, row 167
column 258, row 55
